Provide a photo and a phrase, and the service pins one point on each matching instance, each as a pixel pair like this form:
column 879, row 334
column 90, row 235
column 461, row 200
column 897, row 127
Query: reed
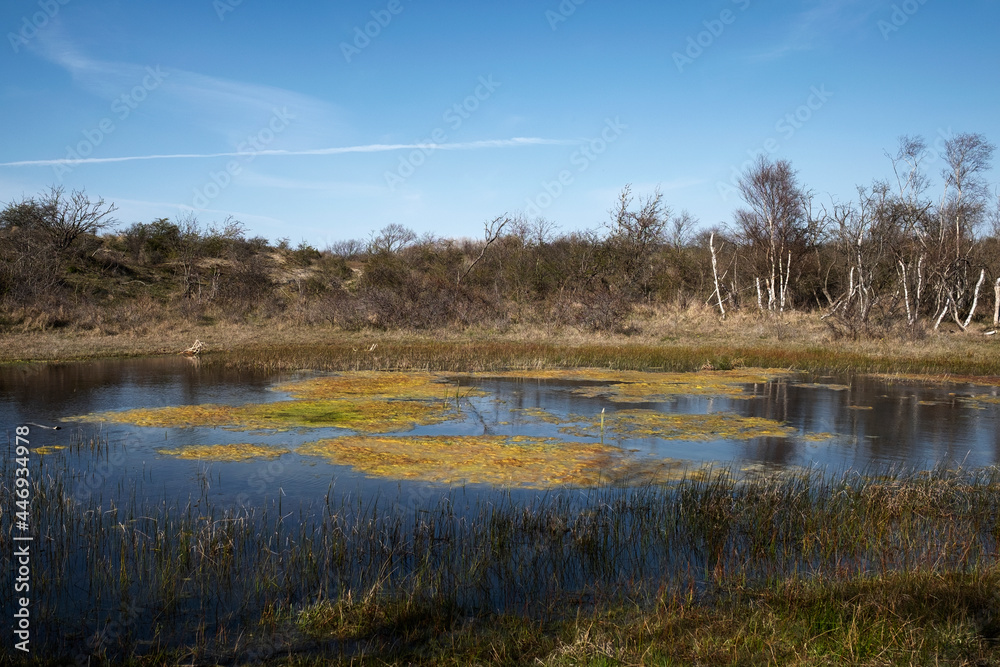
column 864, row 567
column 670, row 339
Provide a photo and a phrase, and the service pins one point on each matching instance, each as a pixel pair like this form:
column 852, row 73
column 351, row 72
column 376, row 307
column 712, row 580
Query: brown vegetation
column 893, row 263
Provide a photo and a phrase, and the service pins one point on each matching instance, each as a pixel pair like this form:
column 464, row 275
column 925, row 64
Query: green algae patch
column 367, row 416
column 519, row 461
column 625, row 424
column 47, row 449
column 651, row 386
column 238, row 452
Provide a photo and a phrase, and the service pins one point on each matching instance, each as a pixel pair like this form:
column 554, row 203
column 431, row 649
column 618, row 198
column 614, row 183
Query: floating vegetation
column 362, row 402
column 625, row 424
column 648, row 386
column 817, row 437
column 503, row 461
column 47, row 449
column 370, row 385
column 538, row 415
column 357, row 415
column 989, row 399
column 238, row 452
column 860, row 407
column 366, row 402
column 820, row 385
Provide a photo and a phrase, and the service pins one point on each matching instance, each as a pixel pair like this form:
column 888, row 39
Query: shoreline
column 792, row 341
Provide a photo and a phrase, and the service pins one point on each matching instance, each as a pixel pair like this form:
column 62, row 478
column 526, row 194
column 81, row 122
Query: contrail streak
column 339, row 150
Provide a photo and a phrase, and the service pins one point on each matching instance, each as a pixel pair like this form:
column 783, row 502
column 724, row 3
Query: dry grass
column 668, row 339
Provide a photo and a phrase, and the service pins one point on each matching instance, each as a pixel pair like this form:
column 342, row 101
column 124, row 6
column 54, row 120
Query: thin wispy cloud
column 818, row 24
column 336, row 150
column 224, row 106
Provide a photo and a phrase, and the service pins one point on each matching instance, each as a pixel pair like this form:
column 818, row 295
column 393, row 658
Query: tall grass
column 508, row 354
column 855, row 567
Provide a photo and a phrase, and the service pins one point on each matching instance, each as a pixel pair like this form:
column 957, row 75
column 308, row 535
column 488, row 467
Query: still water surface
column 838, row 423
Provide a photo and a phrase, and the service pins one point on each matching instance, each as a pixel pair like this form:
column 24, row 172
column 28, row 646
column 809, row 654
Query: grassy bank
column 670, row 339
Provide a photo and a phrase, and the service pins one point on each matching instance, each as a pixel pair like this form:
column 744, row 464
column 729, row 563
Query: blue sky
column 325, row 121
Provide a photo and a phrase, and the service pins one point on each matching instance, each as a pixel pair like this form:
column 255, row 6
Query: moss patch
column 385, row 385
column 625, row 424
column 505, row 461
column 358, row 415
column 239, row 452
column 647, row 386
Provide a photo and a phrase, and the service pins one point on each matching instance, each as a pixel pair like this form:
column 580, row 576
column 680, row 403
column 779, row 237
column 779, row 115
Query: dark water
column 875, row 423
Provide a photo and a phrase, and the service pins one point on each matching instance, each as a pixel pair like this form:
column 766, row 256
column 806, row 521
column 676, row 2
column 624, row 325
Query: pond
column 453, row 429
column 188, row 497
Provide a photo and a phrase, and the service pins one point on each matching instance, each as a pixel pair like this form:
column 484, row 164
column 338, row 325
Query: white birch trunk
column 975, row 300
column 715, row 274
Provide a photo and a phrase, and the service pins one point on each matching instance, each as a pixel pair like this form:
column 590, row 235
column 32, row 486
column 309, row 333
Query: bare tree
column 493, row 229
column 60, row 218
column 681, row 229
column 866, row 239
column 963, row 209
column 347, row 249
column 634, row 238
column 774, row 224
column 391, row 239
column 910, row 177
column 968, row 157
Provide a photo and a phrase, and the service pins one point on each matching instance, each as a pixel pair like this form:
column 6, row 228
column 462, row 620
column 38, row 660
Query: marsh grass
column 671, row 339
column 863, row 568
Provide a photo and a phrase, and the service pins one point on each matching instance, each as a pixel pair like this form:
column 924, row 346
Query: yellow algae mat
column 362, row 402
column 498, row 460
column 374, row 405
column 625, row 424
column 239, row 452
column 652, row 386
